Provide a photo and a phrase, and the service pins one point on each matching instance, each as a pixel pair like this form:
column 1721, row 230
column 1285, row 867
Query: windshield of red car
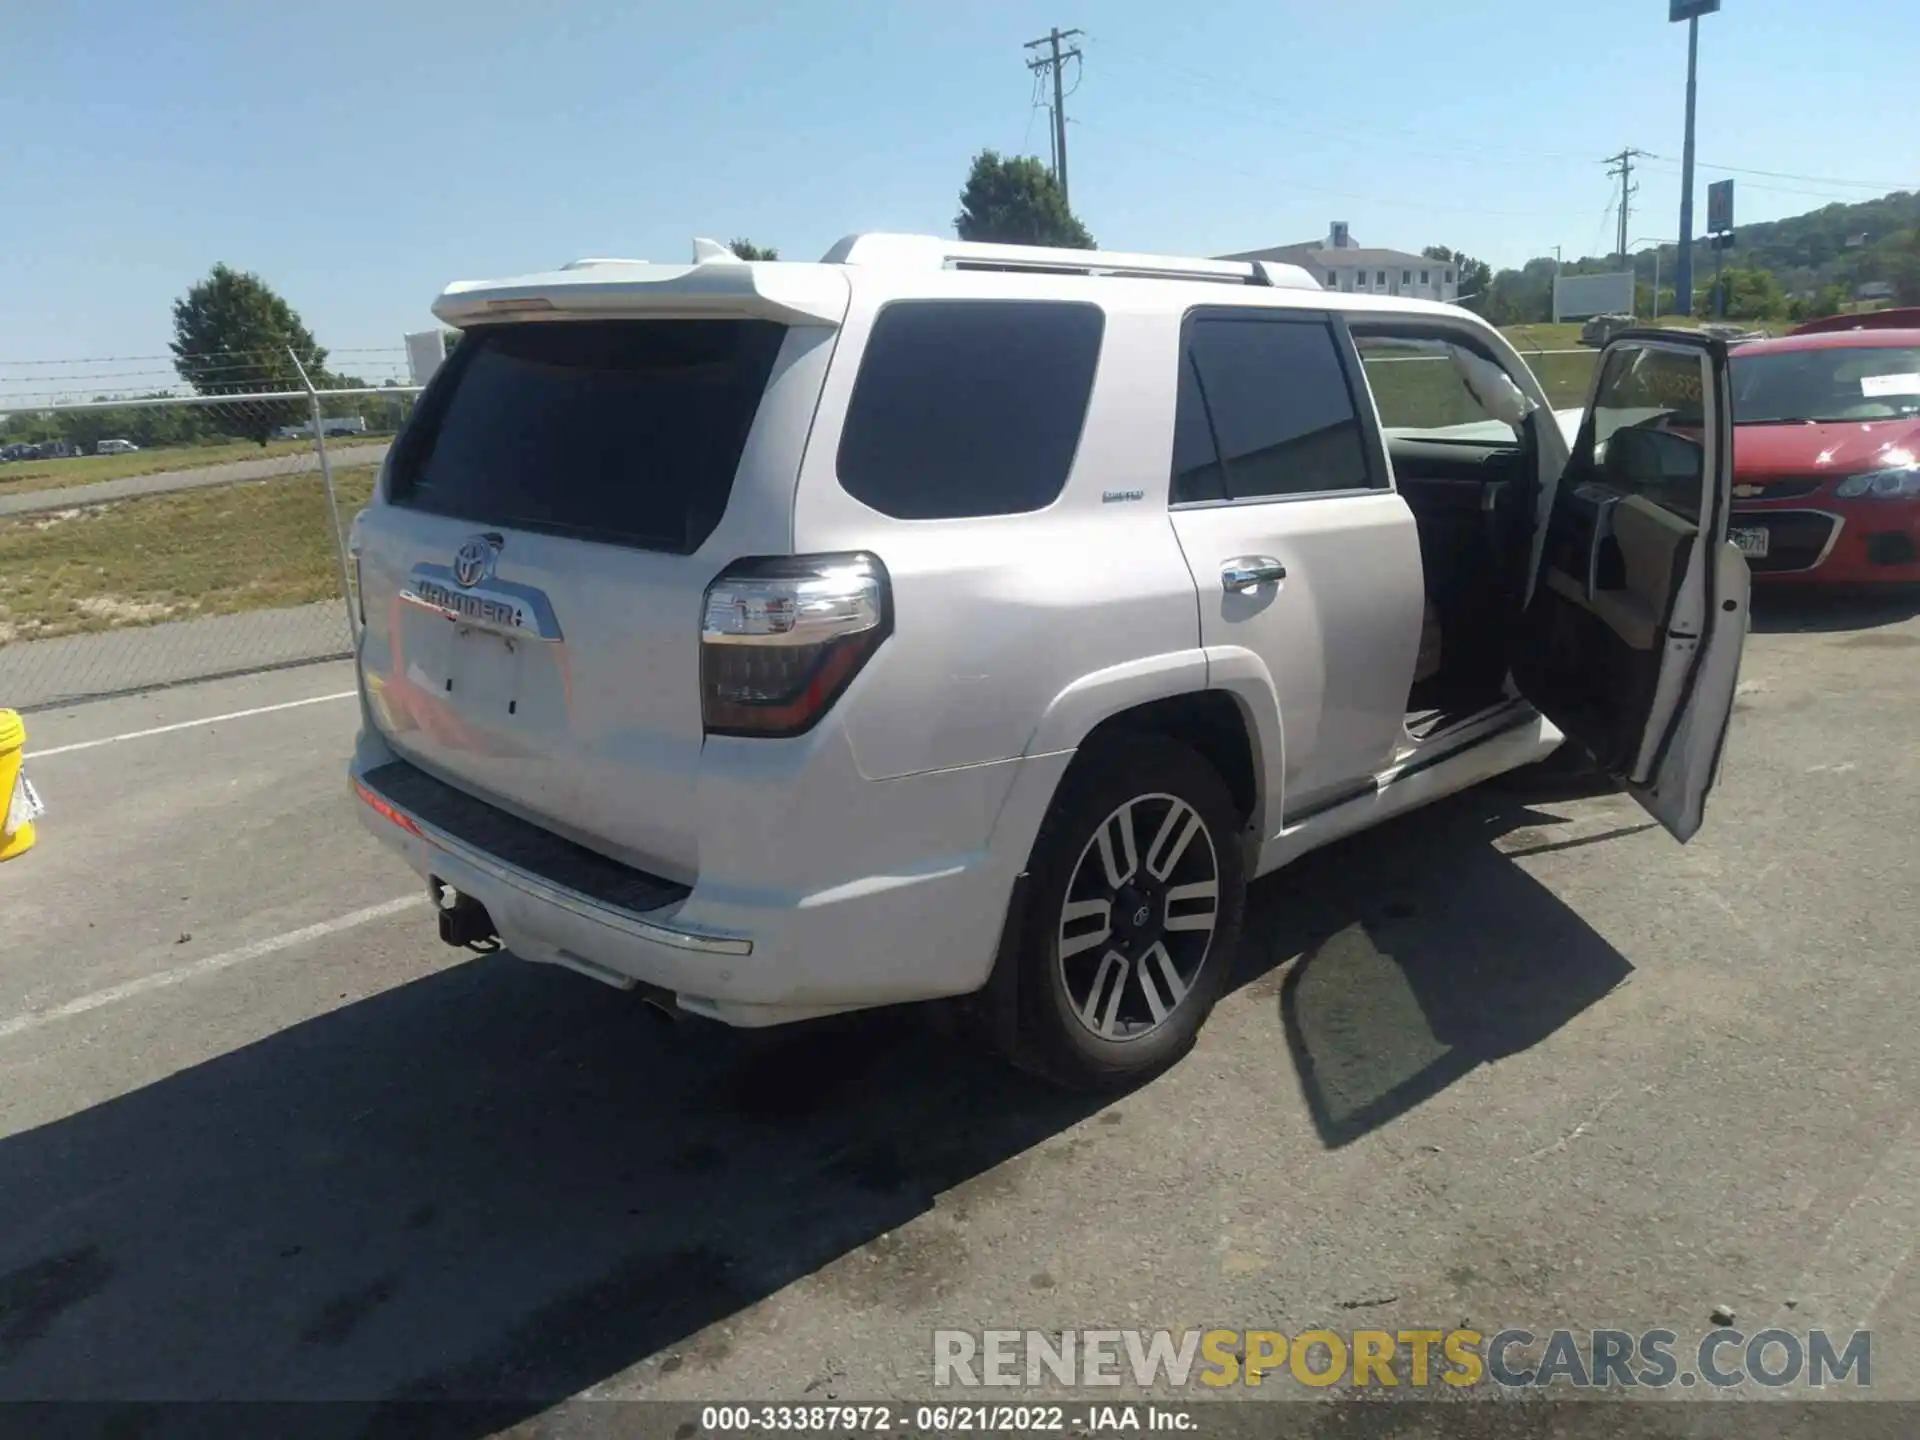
column 1863, row 382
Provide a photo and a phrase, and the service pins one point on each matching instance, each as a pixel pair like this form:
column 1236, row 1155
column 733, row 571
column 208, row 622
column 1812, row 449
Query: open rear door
column 1634, row 623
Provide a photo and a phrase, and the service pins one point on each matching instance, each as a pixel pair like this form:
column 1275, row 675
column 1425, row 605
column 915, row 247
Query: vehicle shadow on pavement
column 1423, row 952
column 498, row 1184
column 1821, row 611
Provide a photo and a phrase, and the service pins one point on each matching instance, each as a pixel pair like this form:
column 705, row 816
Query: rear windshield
column 622, row 431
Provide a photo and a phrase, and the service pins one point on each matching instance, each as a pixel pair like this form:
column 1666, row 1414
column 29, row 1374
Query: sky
column 359, row 156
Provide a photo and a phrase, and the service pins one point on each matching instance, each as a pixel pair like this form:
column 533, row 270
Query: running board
column 1419, row 780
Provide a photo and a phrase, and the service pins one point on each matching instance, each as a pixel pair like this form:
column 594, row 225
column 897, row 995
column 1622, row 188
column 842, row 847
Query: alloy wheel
column 1136, row 924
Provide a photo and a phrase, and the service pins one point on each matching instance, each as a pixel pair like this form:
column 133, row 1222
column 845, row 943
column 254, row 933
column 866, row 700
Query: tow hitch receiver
column 464, row 922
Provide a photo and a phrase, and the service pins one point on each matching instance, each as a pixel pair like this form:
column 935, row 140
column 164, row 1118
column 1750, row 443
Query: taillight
column 782, row 638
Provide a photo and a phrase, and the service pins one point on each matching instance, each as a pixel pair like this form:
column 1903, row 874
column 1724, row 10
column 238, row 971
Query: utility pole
column 1053, row 61
column 1623, row 167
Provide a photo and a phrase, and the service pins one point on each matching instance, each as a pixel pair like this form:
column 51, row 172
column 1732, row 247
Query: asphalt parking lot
column 1518, row 1060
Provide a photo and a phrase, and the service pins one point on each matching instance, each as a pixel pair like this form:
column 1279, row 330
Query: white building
column 1340, row 264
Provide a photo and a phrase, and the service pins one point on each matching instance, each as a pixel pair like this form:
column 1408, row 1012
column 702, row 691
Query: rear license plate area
column 483, row 672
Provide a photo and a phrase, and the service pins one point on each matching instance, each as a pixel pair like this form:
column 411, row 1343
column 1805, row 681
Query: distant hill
column 1838, row 245
column 1834, row 245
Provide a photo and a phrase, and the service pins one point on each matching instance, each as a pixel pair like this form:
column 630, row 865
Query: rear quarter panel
column 1000, row 620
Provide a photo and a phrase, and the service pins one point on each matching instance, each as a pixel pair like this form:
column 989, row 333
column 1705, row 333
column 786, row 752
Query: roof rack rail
column 932, row 252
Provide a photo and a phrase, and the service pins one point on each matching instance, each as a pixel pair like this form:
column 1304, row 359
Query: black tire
column 1133, row 1032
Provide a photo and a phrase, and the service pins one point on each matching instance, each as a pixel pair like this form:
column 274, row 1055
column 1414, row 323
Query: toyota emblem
column 473, row 561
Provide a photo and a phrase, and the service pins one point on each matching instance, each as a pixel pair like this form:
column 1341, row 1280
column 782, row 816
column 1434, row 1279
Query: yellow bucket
column 20, row 804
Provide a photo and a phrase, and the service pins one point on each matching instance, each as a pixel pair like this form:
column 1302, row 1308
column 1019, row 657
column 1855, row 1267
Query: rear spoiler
column 1902, row 319
column 717, row 289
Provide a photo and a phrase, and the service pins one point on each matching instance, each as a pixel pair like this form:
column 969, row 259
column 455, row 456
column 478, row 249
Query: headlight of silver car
column 1897, row 482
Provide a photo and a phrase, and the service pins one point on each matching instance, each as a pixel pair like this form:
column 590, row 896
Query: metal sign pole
column 1689, row 11
column 1683, row 278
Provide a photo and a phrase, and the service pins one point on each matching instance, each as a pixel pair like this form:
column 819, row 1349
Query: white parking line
column 189, row 724
column 33, row 1019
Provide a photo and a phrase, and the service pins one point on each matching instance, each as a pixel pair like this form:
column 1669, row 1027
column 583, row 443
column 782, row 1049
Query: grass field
column 55, row 474
column 1565, row 378
column 249, row 546
column 1529, row 338
column 1429, row 392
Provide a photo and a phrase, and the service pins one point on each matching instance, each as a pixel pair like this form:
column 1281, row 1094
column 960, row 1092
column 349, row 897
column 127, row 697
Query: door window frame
column 1372, row 445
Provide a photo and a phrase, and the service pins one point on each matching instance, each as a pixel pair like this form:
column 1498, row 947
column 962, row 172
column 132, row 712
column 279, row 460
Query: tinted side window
column 969, row 407
column 1281, row 410
column 1196, row 459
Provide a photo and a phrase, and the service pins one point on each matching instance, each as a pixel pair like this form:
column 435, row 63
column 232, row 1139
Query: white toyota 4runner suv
column 957, row 620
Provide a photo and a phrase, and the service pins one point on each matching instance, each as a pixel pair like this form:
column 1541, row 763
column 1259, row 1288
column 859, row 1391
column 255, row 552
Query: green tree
column 1523, row 296
column 1903, row 267
column 232, row 335
column 1752, row 294
column 1475, row 277
column 1013, row 200
column 747, row 250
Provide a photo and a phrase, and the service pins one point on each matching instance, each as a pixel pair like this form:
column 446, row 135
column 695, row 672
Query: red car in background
column 1826, row 452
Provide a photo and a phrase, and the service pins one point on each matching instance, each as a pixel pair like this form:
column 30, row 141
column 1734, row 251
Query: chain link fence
column 164, row 539
column 161, row 538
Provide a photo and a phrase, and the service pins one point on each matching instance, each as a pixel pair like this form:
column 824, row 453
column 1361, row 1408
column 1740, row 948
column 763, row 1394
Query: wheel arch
column 1235, row 722
column 1219, row 702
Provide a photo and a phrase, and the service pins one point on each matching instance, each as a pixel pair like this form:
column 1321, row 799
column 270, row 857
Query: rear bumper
column 1837, row 542
column 928, row 927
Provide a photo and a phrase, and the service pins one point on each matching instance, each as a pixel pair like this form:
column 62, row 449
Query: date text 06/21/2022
column 946, row 1419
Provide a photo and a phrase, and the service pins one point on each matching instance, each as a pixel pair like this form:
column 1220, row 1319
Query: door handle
column 1250, row 572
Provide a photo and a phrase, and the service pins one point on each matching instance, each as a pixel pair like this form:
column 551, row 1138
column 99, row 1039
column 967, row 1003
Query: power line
column 1051, row 63
column 1600, row 230
column 1623, row 167
column 1811, row 179
column 1673, row 171
column 1212, row 84
column 274, row 354
column 1215, row 161
column 1035, row 104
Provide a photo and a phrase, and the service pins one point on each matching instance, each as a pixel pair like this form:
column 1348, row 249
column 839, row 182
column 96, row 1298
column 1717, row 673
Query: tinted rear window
column 623, row 431
column 969, row 407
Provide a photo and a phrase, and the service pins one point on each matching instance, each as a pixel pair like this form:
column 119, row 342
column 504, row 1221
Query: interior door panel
column 1463, row 499
column 1633, row 631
